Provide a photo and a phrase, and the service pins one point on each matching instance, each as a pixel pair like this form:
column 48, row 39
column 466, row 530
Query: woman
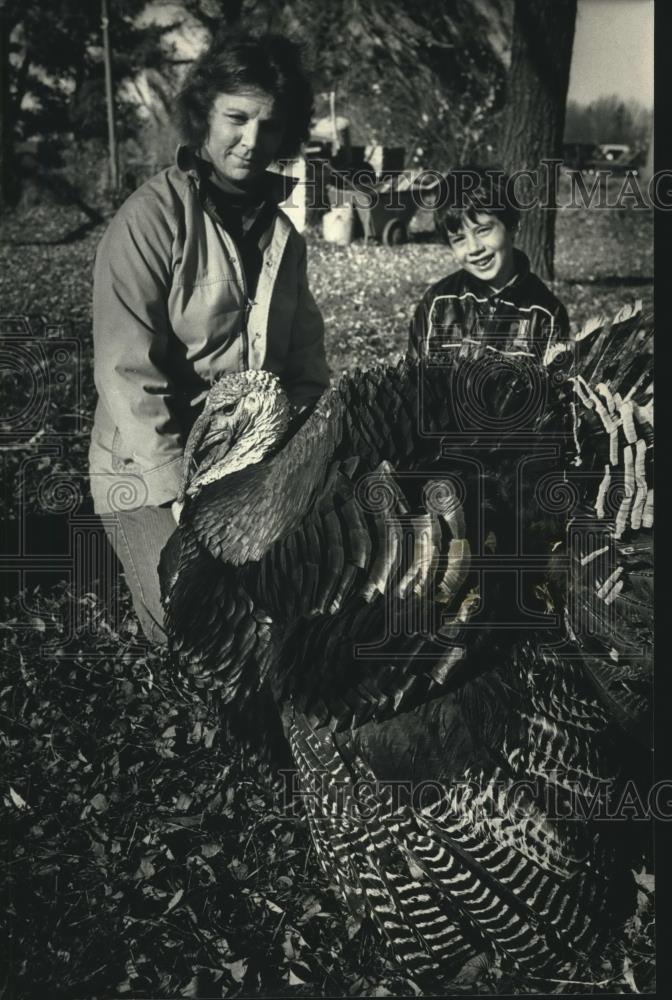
column 199, row 273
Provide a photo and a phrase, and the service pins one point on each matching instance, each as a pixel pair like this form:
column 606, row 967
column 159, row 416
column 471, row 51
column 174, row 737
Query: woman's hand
column 176, row 508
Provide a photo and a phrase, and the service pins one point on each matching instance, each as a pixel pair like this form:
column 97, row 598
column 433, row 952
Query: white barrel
column 338, row 225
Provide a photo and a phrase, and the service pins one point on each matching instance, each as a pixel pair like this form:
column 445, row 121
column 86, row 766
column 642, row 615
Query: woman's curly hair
column 237, row 62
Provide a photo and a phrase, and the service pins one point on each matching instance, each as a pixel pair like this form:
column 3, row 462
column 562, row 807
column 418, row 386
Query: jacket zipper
column 247, row 307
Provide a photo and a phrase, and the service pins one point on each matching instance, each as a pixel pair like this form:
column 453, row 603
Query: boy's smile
column 484, row 248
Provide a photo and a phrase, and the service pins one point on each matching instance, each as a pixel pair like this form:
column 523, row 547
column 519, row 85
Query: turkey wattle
column 442, row 580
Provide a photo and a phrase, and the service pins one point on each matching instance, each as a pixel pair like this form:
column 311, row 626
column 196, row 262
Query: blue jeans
column 137, row 537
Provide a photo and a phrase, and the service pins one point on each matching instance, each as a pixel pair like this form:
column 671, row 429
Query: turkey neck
column 248, row 511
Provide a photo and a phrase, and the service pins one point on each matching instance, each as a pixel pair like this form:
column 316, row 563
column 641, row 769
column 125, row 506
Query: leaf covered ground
column 143, row 855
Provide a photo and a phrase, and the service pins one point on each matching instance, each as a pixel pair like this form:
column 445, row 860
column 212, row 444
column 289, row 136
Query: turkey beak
column 215, row 445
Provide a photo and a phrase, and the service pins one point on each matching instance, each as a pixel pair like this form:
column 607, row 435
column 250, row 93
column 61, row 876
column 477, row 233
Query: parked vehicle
column 577, row 155
column 385, row 208
column 615, row 158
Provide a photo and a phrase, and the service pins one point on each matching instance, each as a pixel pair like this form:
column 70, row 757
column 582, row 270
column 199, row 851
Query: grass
column 143, row 854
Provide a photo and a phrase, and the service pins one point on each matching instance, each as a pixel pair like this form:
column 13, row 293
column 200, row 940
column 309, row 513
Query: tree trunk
column 541, row 53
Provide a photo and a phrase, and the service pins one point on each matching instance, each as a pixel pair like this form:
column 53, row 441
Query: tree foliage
column 427, row 77
column 424, row 76
column 609, row 119
column 53, row 68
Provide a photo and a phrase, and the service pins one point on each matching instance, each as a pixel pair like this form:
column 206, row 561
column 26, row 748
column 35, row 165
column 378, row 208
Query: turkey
column 435, row 589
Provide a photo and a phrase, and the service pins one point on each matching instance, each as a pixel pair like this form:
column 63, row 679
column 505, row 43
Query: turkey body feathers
column 356, row 575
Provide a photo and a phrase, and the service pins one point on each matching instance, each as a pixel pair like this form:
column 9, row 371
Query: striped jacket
column 522, row 317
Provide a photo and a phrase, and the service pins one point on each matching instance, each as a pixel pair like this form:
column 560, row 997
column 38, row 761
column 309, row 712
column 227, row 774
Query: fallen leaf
column 628, row 976
column 237, row 969
column 352, row 926
column 273, row 907
column 175, row 900
column 209, row 737
column 147, row 869
column 17, row 799
column 645, row 881
column 297, row 972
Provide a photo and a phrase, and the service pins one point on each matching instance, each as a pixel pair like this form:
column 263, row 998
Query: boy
column 493, row 300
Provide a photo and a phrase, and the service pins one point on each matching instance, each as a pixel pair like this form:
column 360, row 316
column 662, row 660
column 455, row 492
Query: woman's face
column 245, row 134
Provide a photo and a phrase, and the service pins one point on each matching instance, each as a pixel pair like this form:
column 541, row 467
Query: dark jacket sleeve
column 417, row 334
column 561, row 322
column 557, row 329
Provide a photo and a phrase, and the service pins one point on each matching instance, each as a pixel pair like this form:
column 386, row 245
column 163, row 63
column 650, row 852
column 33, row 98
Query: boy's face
column 484, row 248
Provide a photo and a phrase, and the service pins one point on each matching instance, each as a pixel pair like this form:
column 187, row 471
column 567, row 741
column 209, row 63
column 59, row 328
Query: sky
column 613, row 51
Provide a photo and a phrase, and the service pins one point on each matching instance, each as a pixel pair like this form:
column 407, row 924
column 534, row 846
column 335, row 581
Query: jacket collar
column 277, row 187
column 483, row 290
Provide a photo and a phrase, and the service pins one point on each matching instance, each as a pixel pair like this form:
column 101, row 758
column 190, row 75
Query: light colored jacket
column 170, row 312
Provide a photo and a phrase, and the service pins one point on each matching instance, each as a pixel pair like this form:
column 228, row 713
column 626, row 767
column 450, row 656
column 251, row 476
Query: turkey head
column 245, row 415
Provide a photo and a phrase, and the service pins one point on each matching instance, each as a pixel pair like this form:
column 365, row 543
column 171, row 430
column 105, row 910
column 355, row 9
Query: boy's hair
column 238, row 62
column 470, row 190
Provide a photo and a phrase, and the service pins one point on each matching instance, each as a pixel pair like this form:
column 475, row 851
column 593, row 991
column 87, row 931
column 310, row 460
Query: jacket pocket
column 119, row 462
column 207, row 316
